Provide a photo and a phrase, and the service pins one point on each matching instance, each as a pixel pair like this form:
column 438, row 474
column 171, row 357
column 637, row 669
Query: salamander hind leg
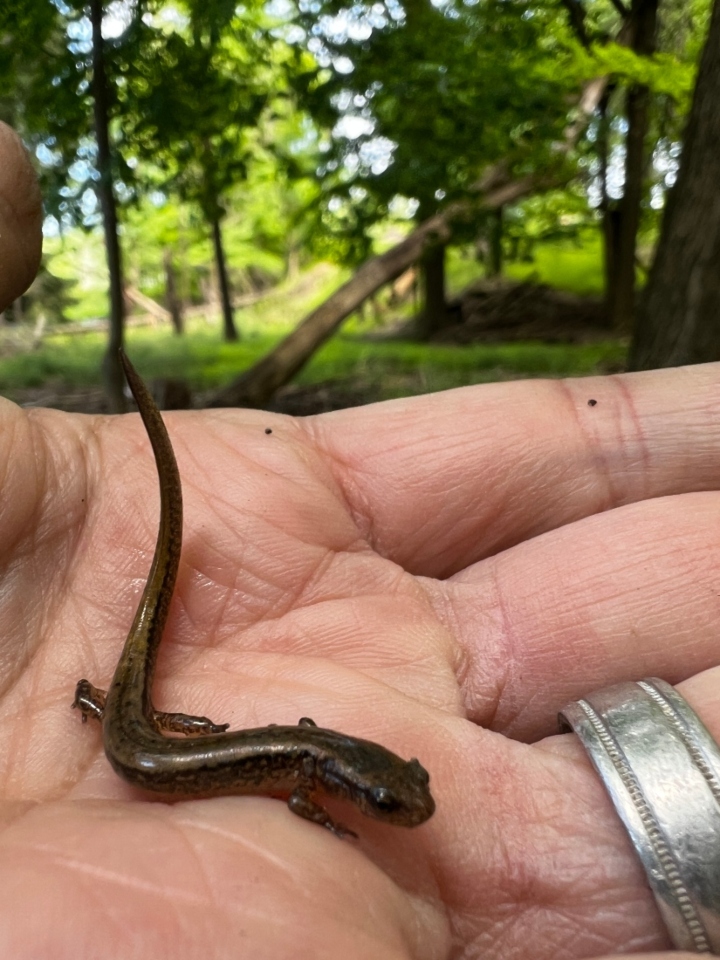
column 304, row 806
column 188, row 725
column 89, row 700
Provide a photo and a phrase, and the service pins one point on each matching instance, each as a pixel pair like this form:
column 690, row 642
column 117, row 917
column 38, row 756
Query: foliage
column 547, row 217
column 573, row 263
column 46, row 96
column 664, row 73
column 422, row 98
column 78, row 259
column 189, row 102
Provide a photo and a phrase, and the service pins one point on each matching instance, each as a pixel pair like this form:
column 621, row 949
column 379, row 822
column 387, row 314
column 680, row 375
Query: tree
column 515, row 175
column 646, row 99
column 424, row 97
column 255, row 386
column 678, row 318
column 192, row 103
column 488, row 81
column 186, row 91
column 623, row 220
column 66, row 111
column 101, row 112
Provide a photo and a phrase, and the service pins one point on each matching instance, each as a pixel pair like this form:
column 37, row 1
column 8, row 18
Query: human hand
column 20, row 218
column 440, row 575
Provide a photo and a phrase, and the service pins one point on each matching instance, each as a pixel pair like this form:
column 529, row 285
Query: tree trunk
column 111, row 369
column 628, row 214
column 495, row 236
column 607, row 207
column 677, row 320
column 172, row 300
column 433, row 316
column 229, row 329
column 576, row 16
column 624, row 234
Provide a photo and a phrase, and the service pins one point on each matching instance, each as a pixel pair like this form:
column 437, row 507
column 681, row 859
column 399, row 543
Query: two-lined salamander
column 299, row 762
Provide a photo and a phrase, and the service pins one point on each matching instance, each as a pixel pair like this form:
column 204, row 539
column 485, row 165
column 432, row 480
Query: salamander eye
column 384, row 800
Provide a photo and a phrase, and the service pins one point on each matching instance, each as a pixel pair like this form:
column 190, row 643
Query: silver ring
column 661, row 768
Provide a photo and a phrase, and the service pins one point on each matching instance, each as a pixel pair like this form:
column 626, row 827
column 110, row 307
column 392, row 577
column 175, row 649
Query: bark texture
column 678, row 317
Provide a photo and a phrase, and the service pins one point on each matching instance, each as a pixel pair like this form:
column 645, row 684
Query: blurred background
column 308, row 204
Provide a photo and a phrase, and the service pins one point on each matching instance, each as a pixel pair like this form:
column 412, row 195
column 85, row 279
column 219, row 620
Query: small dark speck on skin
column 268, row 430
column 591, row 403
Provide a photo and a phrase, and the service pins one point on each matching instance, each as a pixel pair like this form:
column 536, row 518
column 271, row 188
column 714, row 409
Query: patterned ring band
column 661, row 768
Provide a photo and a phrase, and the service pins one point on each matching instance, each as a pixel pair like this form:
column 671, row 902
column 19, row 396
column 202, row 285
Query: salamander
column 301, row 763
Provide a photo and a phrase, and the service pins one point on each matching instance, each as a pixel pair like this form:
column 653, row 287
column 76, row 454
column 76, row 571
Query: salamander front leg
column 89, row 700
column 301, row 803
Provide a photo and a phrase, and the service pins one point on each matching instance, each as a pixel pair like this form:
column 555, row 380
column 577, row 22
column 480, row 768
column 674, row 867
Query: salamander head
column 380, row 784
column 404, row 800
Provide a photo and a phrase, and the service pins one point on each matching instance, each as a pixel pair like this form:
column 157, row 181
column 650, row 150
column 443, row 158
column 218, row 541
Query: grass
column 395, row 369
column 66, row 360
column 572, row 265
column 388, row 368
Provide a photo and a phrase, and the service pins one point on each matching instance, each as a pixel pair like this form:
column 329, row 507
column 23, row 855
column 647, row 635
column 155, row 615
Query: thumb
column 20, row 218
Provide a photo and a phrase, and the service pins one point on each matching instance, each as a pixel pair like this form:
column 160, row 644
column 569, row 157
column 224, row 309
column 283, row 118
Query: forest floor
column 506, row 311
column 546, row 320
column 529, row 316
column 500, row 331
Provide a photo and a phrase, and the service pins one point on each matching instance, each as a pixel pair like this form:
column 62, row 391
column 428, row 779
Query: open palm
column 440, row 575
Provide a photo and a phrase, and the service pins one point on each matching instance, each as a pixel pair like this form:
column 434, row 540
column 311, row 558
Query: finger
column 438, row 482
column 674, row 955
column 531, row 851
column 20, row 218
column 627, row 594
column 528, row 850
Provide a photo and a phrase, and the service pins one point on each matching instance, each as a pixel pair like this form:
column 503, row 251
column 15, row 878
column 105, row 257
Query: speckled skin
column 297, row 762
